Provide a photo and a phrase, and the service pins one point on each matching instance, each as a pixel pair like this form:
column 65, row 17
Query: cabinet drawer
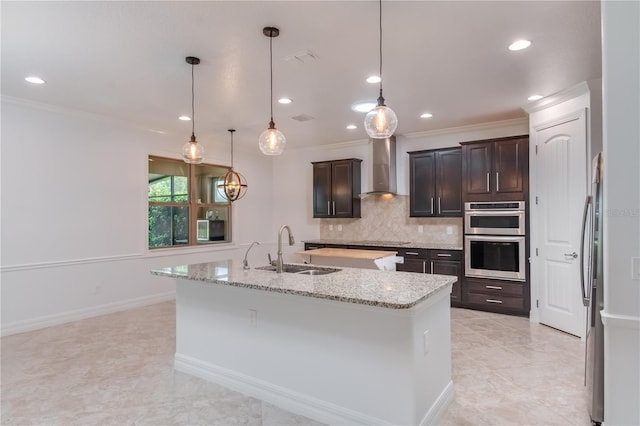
column 414, row 253
column 445, row 254
column 495, row 301
column 495, row 288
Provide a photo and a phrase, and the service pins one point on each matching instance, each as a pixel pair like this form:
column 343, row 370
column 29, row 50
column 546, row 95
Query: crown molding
column 71, row 112
column 573, row 92
column 524, row 121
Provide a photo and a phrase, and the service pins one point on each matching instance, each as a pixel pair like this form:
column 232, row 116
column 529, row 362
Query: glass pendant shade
column 234, row 185
column 380, row 122
column 272, row 141
column 192, row 152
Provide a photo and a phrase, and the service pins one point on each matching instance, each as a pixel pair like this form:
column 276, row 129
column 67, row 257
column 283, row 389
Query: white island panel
column 333, row 361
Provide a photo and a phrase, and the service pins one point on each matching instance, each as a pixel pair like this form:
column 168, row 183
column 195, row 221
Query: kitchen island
column 356, row 346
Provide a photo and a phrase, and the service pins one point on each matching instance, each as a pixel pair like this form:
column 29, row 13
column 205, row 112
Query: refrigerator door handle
column 587, row 203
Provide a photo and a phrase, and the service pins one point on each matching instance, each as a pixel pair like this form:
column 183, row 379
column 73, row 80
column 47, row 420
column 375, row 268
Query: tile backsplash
column 386, row 218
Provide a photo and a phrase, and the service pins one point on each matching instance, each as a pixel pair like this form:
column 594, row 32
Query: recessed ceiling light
column 364, row 106
column 426, row 115
column 519, row 45
column 374, row 79
column 352, row 126
column 534, row 97
column 184, row 118
column 285, row 100
column 34, row 80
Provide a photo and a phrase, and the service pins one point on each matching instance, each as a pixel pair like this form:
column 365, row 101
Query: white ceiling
column 126, row 60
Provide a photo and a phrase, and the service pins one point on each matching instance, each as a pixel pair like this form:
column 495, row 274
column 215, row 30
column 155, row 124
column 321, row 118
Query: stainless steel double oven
column 495, row 240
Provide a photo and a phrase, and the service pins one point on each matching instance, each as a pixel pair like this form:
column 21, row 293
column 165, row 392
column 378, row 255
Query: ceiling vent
column 302, row 117
column 303, row 56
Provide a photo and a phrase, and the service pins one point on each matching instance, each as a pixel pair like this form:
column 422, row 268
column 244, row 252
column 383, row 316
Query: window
column 186, row 207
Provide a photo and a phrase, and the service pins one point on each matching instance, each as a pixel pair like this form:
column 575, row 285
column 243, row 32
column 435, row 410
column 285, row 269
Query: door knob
column 573, row 255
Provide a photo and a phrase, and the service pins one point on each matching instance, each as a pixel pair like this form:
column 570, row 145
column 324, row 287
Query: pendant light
column 380, row 122
column 271, row 141
column 234, row 184
column 192, row 151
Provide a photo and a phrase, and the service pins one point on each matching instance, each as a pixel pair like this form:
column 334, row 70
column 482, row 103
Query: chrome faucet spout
column 292, row 241
column 245, row 262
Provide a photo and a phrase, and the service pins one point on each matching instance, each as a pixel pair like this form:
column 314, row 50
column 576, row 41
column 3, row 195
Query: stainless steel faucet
column 245, row 263
column 279, row 262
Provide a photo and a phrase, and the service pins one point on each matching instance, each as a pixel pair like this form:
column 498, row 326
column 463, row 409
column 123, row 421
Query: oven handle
column 518, row 212
column 495, row 238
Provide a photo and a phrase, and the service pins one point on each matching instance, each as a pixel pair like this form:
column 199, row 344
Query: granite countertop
column 394, row 244
column 387, row 289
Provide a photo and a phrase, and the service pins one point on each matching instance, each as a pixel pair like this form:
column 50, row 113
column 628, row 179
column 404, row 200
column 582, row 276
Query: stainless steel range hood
column 383, row 163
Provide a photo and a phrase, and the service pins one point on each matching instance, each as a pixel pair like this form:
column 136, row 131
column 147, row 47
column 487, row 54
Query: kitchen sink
column 301, row 269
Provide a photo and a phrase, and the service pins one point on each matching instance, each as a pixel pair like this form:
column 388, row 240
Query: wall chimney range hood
column 383, row 167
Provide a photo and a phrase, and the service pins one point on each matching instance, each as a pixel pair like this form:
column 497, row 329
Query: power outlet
column 449, row 230
column 253, row 318
column 420, row 228
column 635, row 268
column 339, row 228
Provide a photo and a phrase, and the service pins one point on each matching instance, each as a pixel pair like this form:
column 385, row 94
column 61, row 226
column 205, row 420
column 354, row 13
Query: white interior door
column 561, row 176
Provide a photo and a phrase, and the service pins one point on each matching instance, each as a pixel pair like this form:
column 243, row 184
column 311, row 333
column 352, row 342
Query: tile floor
column 117, row 369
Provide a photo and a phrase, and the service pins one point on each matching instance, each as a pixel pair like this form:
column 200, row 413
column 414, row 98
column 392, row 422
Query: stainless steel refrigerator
column 592, row 280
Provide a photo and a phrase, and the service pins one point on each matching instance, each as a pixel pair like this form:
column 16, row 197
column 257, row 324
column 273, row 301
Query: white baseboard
column 79, row 314
column 439, row 408
column 287, row 399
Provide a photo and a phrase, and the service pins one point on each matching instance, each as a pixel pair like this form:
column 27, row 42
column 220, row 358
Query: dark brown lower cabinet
column 509, row 297
column 431, row 261
column 448, row 267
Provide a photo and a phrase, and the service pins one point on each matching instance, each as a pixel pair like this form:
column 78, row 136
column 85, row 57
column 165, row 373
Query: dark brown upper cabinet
column 336, row 188
column 435, row 178
column 496, row 169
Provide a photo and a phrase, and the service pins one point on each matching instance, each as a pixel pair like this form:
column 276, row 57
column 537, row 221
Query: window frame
column 193, row 205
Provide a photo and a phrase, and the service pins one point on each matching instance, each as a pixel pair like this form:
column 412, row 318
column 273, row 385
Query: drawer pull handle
column 494, row 301
column 443, row 255
column 411, row 253
column 493, row 287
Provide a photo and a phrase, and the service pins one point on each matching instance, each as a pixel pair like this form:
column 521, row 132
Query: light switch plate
column 426, row 341
column 420, row 228
column 330, row 227
column 339, row 228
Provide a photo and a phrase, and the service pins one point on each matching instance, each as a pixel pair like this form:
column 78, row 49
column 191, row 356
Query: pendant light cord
column 231, row 131
column 193, row 114
column 271, row 71
column 380, row 16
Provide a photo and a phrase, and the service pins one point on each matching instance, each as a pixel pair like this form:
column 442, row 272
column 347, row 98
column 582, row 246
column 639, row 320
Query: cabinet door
column 510, row 166
column 449, row 182
column 322, row 190
column 342, row 194
column 477, row 168
column 412, row 265
column 446, row 267
column 422, row 183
